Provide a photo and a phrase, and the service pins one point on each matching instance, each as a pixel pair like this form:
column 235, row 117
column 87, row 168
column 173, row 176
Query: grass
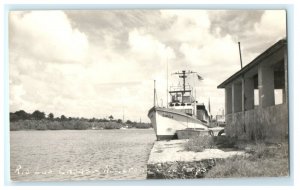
column 262, row 159
column 199, row 144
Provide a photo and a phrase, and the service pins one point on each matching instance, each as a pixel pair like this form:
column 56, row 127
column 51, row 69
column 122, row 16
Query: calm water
column 80, row 155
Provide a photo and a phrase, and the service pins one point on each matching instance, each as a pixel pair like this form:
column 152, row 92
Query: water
column 80, row 155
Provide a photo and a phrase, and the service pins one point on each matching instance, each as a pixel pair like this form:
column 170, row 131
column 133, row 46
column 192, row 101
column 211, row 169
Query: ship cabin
column 182, row 99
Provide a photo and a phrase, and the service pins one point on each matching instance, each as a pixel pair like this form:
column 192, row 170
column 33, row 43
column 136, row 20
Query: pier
column 170, row 160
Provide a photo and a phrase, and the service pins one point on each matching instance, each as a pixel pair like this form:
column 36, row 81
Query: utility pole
column 240, row 55
column 154, row 95
column 243, row 84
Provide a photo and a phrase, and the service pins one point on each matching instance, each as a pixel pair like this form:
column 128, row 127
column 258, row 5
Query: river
column 61, row 155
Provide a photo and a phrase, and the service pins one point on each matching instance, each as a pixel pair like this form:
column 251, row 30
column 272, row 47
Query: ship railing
column 180, row 88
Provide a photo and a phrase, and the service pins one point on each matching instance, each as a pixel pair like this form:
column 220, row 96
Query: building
column 256, row 97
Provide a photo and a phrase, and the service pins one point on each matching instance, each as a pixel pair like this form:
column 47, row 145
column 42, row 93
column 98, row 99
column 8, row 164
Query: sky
column 97, row 63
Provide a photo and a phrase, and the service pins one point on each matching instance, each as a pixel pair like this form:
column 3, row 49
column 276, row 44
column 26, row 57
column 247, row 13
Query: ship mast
column 183, row 75
column 167, row 83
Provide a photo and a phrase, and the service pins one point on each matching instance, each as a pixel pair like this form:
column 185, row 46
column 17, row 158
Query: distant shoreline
column 83, row 129
column 46, row 124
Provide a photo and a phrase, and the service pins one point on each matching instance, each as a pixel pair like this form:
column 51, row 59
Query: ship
column 183, row 112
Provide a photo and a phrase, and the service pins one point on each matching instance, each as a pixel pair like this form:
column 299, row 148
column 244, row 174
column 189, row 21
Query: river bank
column 171, row 160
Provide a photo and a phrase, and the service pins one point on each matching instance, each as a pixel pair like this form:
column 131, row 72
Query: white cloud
column 215, row 52
column 108, row 77
column 47, row 35
column 270, row 29
column 191, row 25
column 272, row 25
column 39, row 40
column 145, row 45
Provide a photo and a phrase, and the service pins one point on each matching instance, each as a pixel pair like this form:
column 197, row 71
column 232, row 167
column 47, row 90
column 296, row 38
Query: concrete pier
column 170, row 160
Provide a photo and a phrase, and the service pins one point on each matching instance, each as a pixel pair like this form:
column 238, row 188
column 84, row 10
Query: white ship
column 182, row 112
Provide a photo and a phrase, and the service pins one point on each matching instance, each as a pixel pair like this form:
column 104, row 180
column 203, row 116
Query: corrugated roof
column 253, row 63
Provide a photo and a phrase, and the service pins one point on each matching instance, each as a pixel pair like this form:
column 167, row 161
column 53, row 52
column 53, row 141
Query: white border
column 293, row 80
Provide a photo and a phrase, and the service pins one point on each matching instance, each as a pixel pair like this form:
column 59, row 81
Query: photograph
column 148, row 94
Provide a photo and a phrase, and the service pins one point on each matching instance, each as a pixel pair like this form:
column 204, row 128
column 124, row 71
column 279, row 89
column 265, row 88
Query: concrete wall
column 266, row 121
column 269, row 124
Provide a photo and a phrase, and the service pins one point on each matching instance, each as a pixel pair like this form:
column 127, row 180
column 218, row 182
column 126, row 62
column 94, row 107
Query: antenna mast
column 167, row 82
column 183, row 75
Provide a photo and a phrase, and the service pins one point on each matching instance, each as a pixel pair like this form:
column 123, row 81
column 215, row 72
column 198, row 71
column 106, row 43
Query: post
column 266, row 86
column 240, row 55
column 228, row 99
column 243, row 89
column 154, row 95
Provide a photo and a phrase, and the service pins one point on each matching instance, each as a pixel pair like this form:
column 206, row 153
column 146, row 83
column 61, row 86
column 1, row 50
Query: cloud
column 145, row 45
column 115, row 25
column 255, row 29
column 116, row 55
column 52, row 37
column 149, row 50
column 39, row 40
column 236, row 23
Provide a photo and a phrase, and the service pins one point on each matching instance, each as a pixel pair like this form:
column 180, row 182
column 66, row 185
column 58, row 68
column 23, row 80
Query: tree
column 128, row 122
column 21, row 115
column 13, row 117
column 62, row 117
column 119, row 121
column 50, row 116
column 38, row 115
column 103, row 120
column 111, row 117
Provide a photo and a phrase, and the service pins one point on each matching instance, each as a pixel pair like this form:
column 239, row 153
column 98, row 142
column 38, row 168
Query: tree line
column 38, row 120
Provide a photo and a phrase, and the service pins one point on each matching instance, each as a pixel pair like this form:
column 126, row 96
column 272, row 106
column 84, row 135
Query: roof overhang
column 270, row 51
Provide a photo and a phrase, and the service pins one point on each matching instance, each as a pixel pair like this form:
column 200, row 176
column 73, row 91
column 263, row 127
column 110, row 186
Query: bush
column 74, row 124
column 15, row 126
column 112, row 125
column 200, row 143
column 225, row 142
column 54, row 125
column 261, row 158
column 142, row 125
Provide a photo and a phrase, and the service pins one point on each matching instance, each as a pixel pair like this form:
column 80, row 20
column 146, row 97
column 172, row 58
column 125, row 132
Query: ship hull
column 167, row 121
